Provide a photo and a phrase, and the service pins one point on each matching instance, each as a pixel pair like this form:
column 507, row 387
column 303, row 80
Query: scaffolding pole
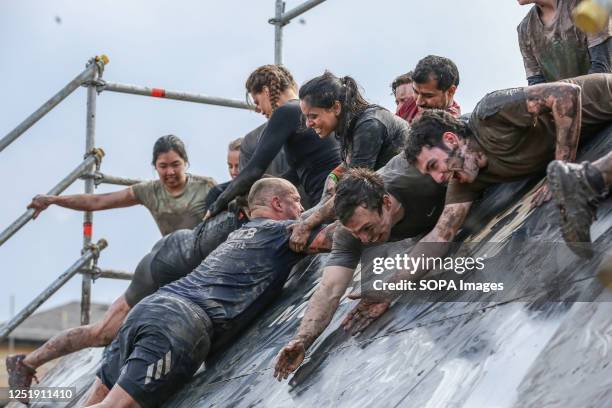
column 286, row 18
column 101, row 178
column 108, row 274
column 169, row 94
column 85, row 76
column 90, row 139
column 89, row 161
column 281, row 19
column 88, row 256
column 278, row 32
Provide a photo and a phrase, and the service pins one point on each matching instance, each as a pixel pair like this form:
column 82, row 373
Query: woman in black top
column 310, row 158
column 369, row 136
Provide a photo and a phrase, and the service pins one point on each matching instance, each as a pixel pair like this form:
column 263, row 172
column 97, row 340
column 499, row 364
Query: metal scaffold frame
column 89, row 169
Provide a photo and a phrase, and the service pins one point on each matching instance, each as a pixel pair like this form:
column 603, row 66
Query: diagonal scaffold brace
column 94, row 66
column 94, row 157
column 90, row 254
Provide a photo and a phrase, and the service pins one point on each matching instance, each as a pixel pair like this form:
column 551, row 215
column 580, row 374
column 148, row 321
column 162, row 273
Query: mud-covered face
column 322, row 120
column 452, row 161
column 170, row 168
column 291, row 205
column 433, row 161
column 262, row 102
column 369, row 225
column 233, row 159
column 428, row 96
column 403, row 94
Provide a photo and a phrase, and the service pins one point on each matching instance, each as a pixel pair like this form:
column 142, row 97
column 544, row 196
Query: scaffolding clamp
column 101, row 61
column 95, row 272
column 95, row 249
column 100, row 85
column 277, row 21
column 98, row 177
column 98, row 154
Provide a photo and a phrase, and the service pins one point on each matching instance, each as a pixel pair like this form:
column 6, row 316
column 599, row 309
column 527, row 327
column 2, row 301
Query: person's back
column 421, row 197
column 516, row 142
column 395, row 133
column 241, row 276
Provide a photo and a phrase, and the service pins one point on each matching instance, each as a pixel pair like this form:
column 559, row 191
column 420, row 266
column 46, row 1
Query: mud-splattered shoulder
column 146, row 192
column 203, row 180
column 497, row 101
column 525, row 25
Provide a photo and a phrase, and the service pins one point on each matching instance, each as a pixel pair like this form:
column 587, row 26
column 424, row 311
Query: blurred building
column 40, row 327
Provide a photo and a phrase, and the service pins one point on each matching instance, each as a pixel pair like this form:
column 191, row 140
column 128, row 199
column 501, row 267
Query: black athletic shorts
column 179, row 253
column 162, row 343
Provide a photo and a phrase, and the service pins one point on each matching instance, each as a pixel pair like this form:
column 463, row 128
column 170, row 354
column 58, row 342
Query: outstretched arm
column 321, row 309
column 86, row 202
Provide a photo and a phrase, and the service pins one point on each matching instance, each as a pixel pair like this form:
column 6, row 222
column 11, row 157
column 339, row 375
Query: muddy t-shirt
column 243, row 275
column 172, row 213
column 518, row 144
column 421, row 197
column 559, row 50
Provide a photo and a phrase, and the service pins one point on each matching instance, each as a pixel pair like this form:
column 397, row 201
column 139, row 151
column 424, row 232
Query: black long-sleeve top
column 310, row 158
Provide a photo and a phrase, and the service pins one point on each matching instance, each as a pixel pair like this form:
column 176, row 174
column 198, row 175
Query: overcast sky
column 200, row 46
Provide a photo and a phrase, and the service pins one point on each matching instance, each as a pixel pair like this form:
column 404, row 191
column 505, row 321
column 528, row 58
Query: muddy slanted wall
column 529, row 352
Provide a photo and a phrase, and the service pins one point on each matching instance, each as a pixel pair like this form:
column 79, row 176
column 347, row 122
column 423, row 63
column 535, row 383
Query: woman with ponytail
column 369, row 136
column 311, row 159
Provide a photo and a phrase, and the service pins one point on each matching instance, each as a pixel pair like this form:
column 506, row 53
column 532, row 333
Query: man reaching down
column 373, row 208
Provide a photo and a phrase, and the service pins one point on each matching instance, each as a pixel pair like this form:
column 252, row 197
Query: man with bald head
column 168, row 335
